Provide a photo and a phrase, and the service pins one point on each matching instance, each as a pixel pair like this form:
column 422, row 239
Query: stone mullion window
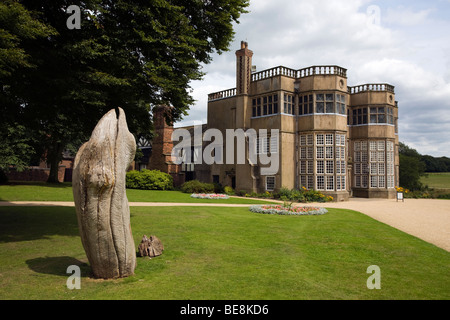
column 329, row 156
column 341, row 106
column 390, row 115
column 361, row 164
column 319, row 145
column 390, row 180
column 330, row 103
column 270, row 183
column 305, row 104
column 265, row 105
column 322, row 161
column 381, row 115
column 340, row 162
column 381, row 160
column 359, row 116
column 306, row 161
column 289, row 104
column 320, row 103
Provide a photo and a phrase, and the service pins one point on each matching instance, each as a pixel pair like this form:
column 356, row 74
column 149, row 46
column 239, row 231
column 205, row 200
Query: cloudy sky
column 402, row 42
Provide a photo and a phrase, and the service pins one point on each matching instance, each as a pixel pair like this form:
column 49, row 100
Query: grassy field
column 63, row 192
column 437, row 180
column 224, row 253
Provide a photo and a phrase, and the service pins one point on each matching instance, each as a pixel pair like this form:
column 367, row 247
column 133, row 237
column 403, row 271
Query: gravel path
column 427, row 219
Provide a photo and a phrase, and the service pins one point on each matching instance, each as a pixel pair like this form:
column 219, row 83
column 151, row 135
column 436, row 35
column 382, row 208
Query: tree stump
column 100, row 197
column 151, row 247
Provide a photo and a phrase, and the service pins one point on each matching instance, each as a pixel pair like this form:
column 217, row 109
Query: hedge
column 149, row 180
column 195, row 186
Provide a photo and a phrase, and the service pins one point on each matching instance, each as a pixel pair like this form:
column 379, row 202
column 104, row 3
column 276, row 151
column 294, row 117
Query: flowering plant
column 209, row 196
column 401, row 189
column 288, row 210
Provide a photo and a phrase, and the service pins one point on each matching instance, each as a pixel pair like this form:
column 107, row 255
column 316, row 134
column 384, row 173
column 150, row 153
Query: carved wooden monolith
column 100, row 197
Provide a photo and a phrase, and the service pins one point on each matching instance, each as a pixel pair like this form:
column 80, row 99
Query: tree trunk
column 54, row 157
column 150, row 247
column 100, row 197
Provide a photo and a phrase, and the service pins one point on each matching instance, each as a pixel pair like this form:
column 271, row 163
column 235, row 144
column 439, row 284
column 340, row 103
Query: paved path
column 427, row 219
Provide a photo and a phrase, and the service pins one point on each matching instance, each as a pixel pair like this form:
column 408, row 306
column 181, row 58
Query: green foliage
column 149, row 180
column 17, row 25
column 195, row 186
column 58, row 82
column 302, row 195
column 15, row 147
column 411, row 168
column 228, row 190
column 241, row 193
column 284, row 194
column 433, row 164
column 218, row 188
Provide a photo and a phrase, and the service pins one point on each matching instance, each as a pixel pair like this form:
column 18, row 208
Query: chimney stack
column 243, row 69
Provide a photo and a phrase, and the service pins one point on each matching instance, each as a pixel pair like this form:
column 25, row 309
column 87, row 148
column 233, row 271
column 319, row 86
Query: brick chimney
column 162, row 143
column 243, row 69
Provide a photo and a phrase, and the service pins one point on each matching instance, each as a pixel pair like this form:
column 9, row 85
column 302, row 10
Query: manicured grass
column 37, row 191
column 224, row 253
column 437, row 180
column 135, row 195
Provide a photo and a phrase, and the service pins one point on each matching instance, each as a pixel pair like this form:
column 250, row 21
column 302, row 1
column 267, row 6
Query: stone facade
column 338, row 139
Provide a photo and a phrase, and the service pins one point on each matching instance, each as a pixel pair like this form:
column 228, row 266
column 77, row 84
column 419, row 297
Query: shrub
column 242, row 193
column 297, row 195
column 228, row 190
column 149, row 180
column 218, row 188
column 195, row 186
column 315, row 196
column 266, row 195
column 133, row 179
column 284, row 194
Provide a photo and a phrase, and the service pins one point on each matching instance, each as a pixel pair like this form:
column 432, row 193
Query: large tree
column 16, row 26
column 411, row 167
column 130, row 54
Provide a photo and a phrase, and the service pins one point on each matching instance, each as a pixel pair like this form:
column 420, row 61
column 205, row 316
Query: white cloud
column 405, row 16
column 407, row 48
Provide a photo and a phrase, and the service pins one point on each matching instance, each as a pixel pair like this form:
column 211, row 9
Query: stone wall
column 34, row 174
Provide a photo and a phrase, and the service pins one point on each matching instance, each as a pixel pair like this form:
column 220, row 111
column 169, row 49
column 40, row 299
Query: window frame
column 273, row 182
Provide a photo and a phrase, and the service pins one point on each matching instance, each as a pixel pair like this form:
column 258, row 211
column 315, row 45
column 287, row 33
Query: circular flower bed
column 279, row 209
column 209, row 196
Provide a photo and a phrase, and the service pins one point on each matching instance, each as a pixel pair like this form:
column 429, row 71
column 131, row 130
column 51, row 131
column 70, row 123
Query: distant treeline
column 413, row 166
column 433, row 164
column 429, row 163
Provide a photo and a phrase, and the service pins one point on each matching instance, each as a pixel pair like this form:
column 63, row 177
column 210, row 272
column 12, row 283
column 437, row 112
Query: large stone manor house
column 338, row 139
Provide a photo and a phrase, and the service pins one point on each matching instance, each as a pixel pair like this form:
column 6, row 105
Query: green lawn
column 437, row 180
column 36, row 191
column 224, row 253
